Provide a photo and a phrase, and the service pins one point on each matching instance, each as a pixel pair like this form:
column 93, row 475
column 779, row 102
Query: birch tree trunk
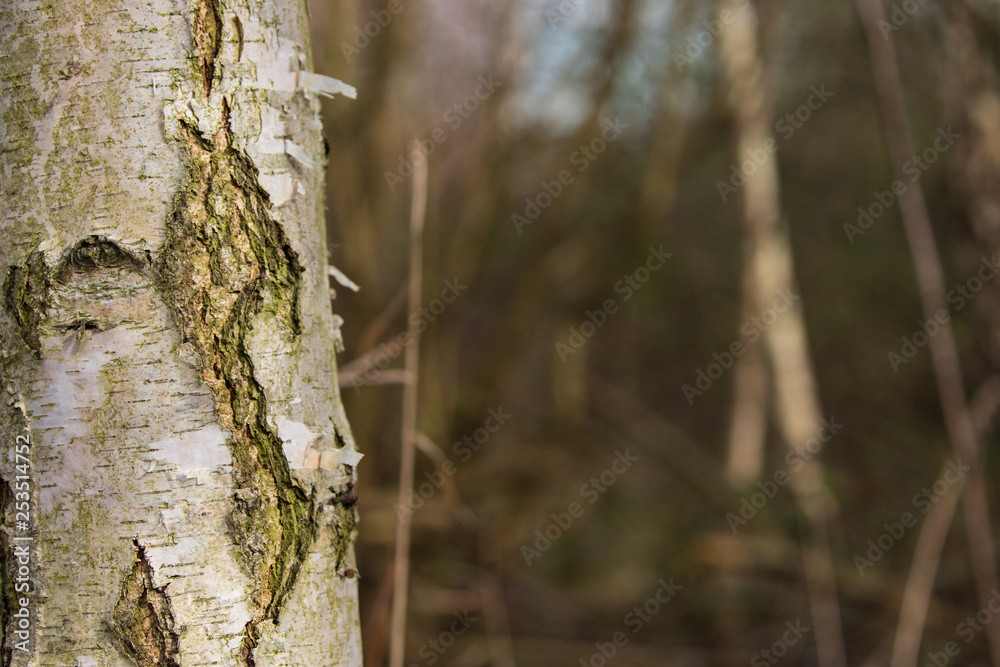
column 768, row 253
column 176, row 465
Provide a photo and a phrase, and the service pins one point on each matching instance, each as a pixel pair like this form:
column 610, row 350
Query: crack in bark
column 142, row 618
column 94, row 253
column 227, row 261
column 26, row 297
column 208, row 40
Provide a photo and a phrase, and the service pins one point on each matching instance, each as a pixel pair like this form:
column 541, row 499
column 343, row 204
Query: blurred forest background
column 734, row 143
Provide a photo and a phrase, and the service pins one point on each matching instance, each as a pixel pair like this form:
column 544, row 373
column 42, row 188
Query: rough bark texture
column 167, row 342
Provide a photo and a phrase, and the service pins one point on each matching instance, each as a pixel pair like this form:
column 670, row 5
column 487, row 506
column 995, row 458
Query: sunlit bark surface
column 171, row 414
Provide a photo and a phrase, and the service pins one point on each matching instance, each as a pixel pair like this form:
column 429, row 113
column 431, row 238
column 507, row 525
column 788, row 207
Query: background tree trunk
column 768, row 253
column 167, row 342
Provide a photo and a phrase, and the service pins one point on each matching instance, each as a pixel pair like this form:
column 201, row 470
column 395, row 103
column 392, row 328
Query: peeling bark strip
column 208, row 39
column 226, row 261
column 142, row 618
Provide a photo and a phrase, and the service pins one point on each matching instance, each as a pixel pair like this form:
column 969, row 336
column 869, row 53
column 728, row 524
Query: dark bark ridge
column 26, row 296
column 142, row 618
column 226, row 263
column 89, row 289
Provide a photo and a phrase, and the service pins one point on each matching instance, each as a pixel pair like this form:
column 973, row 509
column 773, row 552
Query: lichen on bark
column 225, row 262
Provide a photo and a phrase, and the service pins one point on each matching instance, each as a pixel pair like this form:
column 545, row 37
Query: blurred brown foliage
column 513, row 97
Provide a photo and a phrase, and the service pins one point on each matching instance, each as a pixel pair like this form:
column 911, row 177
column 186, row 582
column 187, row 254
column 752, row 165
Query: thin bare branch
column 944, row 358
column 397, row 640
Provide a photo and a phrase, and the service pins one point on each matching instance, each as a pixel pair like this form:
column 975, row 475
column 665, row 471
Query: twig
column 353, row 378
column 944, row 359
column 371, row 334
column 920, row 581
column 985, row 404
column 397, row 639
column 434, row 452
column 930, row 541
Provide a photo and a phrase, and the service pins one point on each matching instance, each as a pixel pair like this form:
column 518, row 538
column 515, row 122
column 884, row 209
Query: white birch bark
column 167, row 342
column 795, row 396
